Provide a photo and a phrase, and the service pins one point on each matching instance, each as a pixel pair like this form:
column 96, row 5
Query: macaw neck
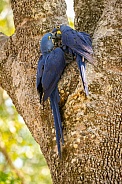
column 65, row 28
column 46, row 51
column 45, row 54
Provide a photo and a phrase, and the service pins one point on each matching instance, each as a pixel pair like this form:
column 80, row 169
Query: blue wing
column 40, row 69
column 82, row 68
column 86, row 37
column 79, row 42
column 53, row 68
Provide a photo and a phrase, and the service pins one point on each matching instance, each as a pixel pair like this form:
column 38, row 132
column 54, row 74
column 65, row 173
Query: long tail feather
column 54, row 98
column 81, row 65
column 56, row 125
column 58, row 113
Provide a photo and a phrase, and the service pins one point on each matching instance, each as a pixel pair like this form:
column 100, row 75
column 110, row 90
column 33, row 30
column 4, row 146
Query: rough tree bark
column 91, row 153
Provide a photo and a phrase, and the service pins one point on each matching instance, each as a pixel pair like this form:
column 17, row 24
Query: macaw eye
column 58, row 27
column 49, row 37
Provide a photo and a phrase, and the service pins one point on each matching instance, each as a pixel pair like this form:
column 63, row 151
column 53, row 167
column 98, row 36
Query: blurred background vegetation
column 21, row 161
column 6, row 18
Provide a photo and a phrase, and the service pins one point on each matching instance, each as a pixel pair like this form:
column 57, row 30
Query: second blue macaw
column 79, row 44
column 50, row 67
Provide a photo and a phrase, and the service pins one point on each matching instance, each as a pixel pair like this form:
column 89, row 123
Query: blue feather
column 50, row 67
column 57, row 119
column 82, row 68
column 80, row 45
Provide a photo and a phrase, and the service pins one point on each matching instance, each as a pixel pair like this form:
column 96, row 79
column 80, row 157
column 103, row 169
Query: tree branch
column 19, row 58
column 91, row 125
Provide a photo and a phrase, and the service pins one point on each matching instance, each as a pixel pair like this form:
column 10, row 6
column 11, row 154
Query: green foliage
column 7, row 178
column 21, row 148
column 3, row 3
column 6, row 18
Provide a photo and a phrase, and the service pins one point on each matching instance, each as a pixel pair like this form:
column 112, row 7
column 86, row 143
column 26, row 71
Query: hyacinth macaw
column 50, row 67
column 78, row 44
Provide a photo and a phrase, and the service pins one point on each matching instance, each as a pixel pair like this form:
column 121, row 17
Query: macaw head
column 60, row 28
column 57, row 33
column 46, row 44
column 57, row 30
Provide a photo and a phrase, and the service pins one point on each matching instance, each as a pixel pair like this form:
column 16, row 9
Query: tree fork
column 91, row 153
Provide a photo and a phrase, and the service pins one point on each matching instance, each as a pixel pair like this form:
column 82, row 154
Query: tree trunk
column 91, row 153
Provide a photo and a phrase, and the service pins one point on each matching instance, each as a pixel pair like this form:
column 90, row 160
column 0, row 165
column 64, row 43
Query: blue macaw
column 50, row 67
column 79, row 44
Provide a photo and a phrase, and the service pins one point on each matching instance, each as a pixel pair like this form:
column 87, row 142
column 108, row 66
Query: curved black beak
column 53, row 35
column 54, row 30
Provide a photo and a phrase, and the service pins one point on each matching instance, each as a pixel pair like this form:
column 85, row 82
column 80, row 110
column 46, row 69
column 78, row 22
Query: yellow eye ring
column 58, row 27
column 49, row 37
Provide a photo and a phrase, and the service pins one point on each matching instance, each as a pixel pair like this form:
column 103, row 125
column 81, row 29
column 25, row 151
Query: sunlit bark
column 91, row 153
